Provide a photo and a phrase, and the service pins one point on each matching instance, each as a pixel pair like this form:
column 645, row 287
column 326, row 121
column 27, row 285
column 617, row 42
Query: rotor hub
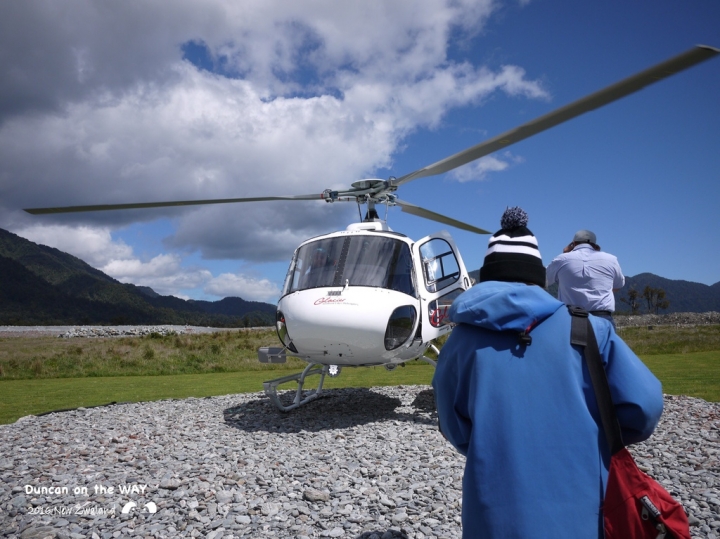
column 367, row 184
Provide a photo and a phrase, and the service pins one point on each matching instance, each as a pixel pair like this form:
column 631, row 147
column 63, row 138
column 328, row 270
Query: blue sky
column 111, row 103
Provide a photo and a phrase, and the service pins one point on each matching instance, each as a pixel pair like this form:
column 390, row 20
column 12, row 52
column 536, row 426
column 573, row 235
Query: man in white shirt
column 586, row 276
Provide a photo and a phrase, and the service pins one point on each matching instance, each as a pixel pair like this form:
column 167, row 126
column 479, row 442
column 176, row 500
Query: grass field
column 154, row 354
column 696, row 374
column 671, row 339
column 39, row 375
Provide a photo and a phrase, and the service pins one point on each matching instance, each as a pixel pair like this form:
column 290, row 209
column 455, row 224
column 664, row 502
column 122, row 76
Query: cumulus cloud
column 478, row 170
column 164, row 273
column 94, row 245
column 103, row 103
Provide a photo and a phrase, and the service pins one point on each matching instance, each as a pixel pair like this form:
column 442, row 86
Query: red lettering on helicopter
column 324, row 301
column 438, row 315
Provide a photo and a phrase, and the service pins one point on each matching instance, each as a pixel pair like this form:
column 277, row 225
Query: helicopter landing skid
column 272, row 385
column 427, row 359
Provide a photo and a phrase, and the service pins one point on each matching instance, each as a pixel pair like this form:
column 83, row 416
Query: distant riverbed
column 672, row 319
column 105, row 331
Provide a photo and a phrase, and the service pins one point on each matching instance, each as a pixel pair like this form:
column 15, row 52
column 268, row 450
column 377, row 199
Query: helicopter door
column 442, row 277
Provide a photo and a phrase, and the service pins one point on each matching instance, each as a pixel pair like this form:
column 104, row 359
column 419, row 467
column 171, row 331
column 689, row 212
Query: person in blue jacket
column 514, row 396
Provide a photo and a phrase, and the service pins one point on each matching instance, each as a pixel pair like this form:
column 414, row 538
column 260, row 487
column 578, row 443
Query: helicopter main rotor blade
column 598, row 99
column 427, row 214
column 136, row 205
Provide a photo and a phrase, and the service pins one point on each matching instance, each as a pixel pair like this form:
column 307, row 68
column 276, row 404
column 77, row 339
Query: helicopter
column 370, row 296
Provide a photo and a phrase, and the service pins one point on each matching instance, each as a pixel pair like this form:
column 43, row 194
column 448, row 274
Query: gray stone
column 351, row 464
column 313, row 495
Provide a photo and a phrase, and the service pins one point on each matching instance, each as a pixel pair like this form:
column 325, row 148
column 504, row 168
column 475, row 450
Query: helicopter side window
column 439, row 264
column 292, row 277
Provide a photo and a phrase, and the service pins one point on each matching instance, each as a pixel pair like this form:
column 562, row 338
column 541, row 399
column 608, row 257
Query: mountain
column 40, row 285
column 684, row 296
column 230, row 306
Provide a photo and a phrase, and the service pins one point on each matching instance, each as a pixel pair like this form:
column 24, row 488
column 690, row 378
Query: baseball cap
column 584, row 236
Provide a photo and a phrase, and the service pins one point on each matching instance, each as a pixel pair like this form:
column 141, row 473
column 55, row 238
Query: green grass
column 696, row 374
column 43, row 374
column 671, row 339
column 152, row 355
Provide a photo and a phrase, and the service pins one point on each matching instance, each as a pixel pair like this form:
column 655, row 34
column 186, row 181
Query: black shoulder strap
column 582, row 334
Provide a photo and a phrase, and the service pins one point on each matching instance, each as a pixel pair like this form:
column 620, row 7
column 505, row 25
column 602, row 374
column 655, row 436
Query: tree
column 655, row 299
column 633, row 301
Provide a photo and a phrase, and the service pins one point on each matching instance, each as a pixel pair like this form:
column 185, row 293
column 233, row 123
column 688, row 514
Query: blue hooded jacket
column 525, row 415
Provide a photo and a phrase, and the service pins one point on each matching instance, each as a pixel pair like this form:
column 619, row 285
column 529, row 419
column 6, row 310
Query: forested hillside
column 40, row 285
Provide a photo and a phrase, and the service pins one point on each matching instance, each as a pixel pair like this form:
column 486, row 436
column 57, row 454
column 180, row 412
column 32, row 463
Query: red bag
column 635, row 506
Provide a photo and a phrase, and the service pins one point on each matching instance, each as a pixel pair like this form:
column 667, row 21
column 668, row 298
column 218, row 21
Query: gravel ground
column 672, row 319
column 360, row 463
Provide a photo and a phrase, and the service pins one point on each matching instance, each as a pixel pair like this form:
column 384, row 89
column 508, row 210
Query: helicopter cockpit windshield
column 362, row 260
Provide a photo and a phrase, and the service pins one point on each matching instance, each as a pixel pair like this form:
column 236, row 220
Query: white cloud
column 93, row 245
column 163, row 273
column 105, row 110
column 478, row 170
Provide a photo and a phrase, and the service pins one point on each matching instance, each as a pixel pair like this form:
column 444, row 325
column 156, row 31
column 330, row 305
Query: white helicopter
column 369, row 296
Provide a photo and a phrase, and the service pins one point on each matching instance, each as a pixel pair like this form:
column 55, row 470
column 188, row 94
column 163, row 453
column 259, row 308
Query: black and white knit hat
column 513, row 253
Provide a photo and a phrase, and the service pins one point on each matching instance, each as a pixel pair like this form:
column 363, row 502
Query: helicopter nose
column 363, row 324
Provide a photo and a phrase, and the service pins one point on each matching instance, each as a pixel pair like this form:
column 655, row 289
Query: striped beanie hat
column 513, row 253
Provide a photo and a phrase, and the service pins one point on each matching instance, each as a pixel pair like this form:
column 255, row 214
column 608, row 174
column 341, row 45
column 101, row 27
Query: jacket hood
column 502, row 306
